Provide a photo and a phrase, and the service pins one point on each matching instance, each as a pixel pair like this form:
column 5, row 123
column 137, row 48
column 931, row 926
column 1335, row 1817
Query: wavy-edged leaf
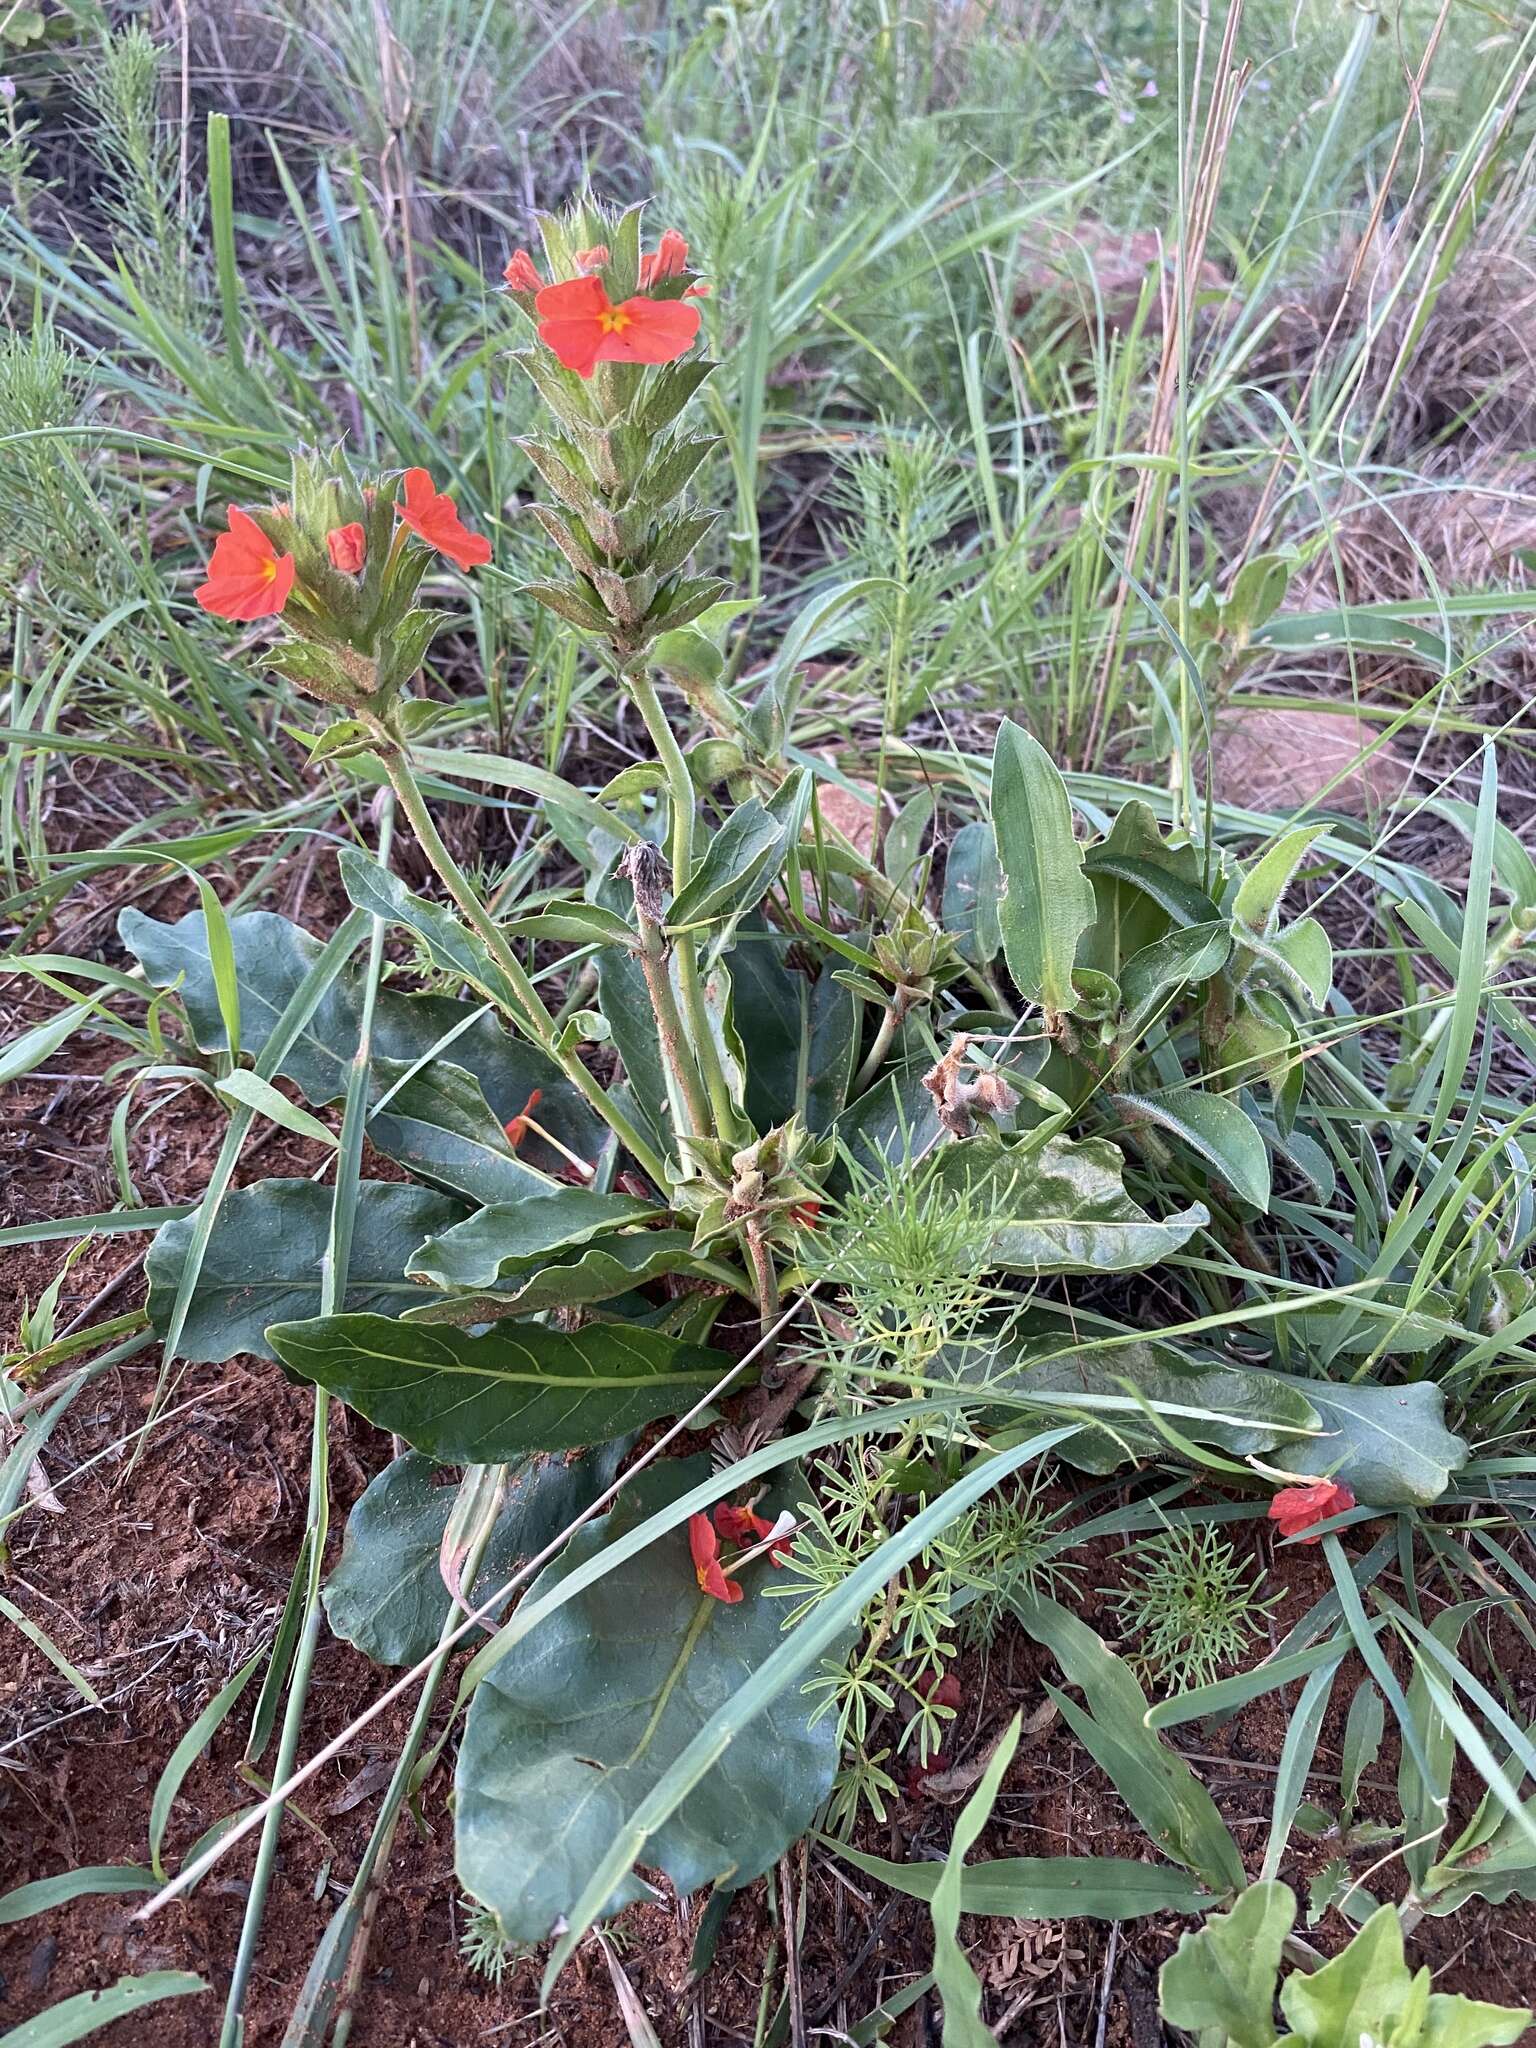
column 437, row 1123
column 1154, row 1781
column 1222, row 1975
column 451, row 946
column 1182, row 958
column 1390, row 1445
column 272, row 957
column 1062, row 1207
column 386, row 1596
column 564, row 1740
column 263, row 1260
column 613, row 1266
column 1047, row 902
column 479, row 1250
column 1239, row 1411
column 77, row 2018
column 487, row 1400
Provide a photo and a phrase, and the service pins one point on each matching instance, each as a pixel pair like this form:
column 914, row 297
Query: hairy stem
column 531, row 1013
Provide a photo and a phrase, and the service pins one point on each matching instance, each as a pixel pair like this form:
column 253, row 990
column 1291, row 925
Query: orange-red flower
column 707, row 1568
column 582, row 325
column 668, row 259
column 746, row 1527
column 593, row 258
column 517, row 1127
column 520, row 273
column 348, row 548
column 807, row 1214
column 247, row 577
column 433, row 517
column 1296, row 1508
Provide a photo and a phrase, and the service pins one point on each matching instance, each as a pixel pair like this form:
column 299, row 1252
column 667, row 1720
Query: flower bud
column 347, row 547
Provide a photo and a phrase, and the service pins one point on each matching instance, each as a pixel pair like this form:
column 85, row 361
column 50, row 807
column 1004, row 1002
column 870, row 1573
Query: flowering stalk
column 340, row 563
column 611, row 329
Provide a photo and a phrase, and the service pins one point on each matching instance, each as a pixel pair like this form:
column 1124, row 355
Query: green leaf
column 1182, row 958
column 1222, row 1975
column 575, row 924
column 44, row 1893
column 248, row 1088
column 439, row 1125
column 450, row 945
column 564, row 1740
column 1047, row 902
column 1153, row 1780
column 1045, row 1887
column 1061, row 1208
column 1242, row 1412
column 798, row 1036
column 476, row 1252
column 1368, row 1993
column 959, row 1986
column 487, row 1400
column 1256, row 906
column 615, row 1265
column 1300, row 958
column 22, row 1054
column 1389, row 1445
column 386, row 1596
column 75, row 2019
column 187, row 1752
column 736, row 869
column 1215, row 1127
column 973, row 887
column 272, row 958
column 1351, row 626
column 264, row 1258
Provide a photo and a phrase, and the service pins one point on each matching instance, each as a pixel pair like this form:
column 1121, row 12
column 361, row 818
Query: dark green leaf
column 1390, row 1445
column 1216, row 1128
column 386, row 1596
column 479, row 1250
column 264, row 1257
column 439, row 1125
column 272, row 957
column 487, row 1400
column 564, row 1740
column 614, row 1266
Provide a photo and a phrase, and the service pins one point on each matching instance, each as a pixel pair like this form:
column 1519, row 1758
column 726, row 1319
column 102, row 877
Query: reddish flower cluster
column 583, row 326
column 1296, row 1508
column 249, row 579
column 741, row 1527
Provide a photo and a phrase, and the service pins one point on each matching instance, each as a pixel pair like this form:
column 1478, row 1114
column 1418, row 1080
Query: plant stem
column 680, row 800
column 876, row 1055
column 690, row 1108
column 532, row 1013
column 766, row 1280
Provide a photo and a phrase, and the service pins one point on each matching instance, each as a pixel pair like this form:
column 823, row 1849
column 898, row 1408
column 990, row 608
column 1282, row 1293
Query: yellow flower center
column 615, row 320
column 269, row 569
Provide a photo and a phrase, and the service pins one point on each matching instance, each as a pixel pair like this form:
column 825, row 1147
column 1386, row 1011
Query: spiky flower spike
column 614, row 357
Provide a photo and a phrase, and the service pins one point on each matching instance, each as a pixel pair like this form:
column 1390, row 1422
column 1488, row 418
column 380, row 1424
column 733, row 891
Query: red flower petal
column 660, row 330
column 707, row 1569
column 520, row 274
column 247, row 577
column 669, row 259
column 580, row 323
column 347, row 547
column 1296, row 1508
column 434, row 518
